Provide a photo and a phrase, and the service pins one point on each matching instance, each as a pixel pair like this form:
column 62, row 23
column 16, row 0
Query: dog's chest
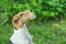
column 21, row 36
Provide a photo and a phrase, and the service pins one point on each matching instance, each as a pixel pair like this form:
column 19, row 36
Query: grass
column 52, row 32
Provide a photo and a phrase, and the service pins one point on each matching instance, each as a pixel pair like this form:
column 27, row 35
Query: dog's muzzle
column 32, row 16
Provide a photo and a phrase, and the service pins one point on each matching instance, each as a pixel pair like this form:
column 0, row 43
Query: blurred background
column 48, row 28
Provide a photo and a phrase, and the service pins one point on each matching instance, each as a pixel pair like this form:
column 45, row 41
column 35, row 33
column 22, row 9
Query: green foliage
column 42, row 8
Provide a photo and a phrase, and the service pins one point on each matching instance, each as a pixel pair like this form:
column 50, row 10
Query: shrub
column 44, row 9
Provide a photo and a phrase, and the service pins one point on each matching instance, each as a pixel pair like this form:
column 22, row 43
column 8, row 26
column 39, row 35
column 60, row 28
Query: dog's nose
column 30, row 10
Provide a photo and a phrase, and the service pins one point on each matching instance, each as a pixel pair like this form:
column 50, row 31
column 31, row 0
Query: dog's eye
column 20, row 15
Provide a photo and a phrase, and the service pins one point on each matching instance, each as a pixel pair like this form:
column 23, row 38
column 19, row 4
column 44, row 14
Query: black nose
column 30, row 10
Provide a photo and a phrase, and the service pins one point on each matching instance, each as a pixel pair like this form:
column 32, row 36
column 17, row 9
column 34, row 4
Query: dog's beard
column 32, row 16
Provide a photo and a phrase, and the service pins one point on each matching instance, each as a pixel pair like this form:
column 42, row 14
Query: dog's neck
column 20, row 29
column 20, row 34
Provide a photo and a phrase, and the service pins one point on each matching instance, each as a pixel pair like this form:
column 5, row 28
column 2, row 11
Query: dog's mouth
column 32, row 16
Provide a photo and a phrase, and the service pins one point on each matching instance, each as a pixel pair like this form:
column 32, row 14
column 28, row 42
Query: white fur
column 21, row 36
column 32, row 16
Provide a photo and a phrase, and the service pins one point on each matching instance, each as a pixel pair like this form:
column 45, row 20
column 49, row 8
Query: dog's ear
column 15, row 19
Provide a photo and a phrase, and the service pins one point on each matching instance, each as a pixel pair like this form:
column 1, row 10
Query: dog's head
column 20, row 18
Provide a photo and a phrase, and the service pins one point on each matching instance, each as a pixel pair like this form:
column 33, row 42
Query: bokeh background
column 48, row 28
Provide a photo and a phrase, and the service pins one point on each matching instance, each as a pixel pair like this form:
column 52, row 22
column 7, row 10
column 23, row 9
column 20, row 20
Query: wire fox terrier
column 21, row 34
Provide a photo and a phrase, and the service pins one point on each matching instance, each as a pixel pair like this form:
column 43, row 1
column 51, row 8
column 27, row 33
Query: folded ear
column 15, row 19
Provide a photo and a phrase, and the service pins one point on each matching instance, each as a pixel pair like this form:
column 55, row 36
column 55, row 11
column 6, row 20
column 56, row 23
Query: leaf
column 52, row 14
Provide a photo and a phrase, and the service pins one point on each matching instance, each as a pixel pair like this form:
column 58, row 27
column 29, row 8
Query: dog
column 21, row 34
